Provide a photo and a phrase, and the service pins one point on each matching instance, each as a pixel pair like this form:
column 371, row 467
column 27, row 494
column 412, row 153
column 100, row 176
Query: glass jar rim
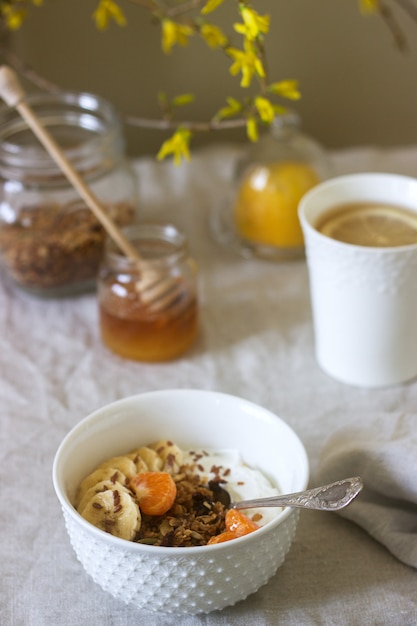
column 290, row 120
column 171, row 242
column 88, row 126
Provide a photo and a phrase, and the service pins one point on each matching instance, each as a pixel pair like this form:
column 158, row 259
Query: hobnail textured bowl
column 188, row 580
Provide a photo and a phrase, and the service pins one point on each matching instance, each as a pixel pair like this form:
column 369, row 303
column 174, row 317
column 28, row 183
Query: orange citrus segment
column 371, row 225
column 155, row 492
column 237, row 525
column 227, row 535
column 266, row 207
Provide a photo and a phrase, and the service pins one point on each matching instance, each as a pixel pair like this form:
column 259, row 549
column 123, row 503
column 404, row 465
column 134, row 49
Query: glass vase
column 259, row 215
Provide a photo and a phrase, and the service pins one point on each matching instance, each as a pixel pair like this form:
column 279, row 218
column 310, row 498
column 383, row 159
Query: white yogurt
column 243, row 482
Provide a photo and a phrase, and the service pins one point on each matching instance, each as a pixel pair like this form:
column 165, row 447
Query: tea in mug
column 370, row 224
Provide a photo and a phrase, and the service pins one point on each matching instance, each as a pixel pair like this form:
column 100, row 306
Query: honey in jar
column 148, row 309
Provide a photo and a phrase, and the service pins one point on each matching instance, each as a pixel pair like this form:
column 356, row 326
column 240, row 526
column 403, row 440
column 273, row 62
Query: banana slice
column 103, row 485
column 115, row 512
column 107, row 473
column 146, row 459
column 151, row 458
column 171, row 455
column 121, row 463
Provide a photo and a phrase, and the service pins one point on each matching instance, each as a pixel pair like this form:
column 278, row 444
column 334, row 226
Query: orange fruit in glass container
column 266, row 206
column 155, row 492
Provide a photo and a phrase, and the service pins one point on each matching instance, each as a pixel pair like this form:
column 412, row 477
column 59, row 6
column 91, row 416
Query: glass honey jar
column 50, row 242
column 148, row 308
column 259, row 216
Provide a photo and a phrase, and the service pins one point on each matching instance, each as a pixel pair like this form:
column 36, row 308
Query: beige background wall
column 357, row 88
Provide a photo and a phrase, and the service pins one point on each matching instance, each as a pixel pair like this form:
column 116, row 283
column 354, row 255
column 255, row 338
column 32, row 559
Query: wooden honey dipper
column 156, row 291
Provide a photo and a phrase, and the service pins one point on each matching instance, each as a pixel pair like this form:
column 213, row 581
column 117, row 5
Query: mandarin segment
column 239, row 523
column 227, row 535
column 155, row 492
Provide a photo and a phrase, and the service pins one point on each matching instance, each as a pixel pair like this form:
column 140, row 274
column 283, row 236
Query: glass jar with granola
column 50, row 242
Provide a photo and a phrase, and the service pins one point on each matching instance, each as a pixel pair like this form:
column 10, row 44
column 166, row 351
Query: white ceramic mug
column 364, row 299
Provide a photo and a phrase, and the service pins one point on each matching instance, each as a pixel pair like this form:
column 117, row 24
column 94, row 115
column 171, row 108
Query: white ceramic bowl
column 182, row 580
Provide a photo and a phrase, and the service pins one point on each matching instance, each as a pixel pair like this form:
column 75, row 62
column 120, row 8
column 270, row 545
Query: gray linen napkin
column 383, row 451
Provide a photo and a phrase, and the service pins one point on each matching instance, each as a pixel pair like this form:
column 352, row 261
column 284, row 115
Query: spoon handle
column 326, row 498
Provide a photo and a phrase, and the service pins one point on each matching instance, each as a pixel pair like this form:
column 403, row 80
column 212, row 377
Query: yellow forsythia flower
column 213, row 36
column 234, row 108
column 253, row 24
column 13, row 16
column 210, row 6
column 184, row 98
column 265, row 109
column 106, row 11
column 286, row 89
column 252, row 129
column 14, row 13
column 173, row 33
column 177, row 145
column 246, row 62
column 369, row 6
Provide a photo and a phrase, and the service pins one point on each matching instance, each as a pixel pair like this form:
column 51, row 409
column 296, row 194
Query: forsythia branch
column 180, row 23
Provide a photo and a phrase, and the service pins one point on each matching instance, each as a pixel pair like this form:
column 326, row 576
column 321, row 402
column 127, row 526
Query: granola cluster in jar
column 51, row 247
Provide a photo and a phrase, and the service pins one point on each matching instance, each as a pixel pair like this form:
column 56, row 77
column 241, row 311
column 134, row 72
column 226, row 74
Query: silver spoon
column 330, row 497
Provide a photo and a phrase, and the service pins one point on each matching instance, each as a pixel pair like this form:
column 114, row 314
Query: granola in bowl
column 160, row 495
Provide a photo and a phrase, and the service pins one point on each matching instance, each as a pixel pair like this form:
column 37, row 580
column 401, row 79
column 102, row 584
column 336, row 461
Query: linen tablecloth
column 256, row 341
